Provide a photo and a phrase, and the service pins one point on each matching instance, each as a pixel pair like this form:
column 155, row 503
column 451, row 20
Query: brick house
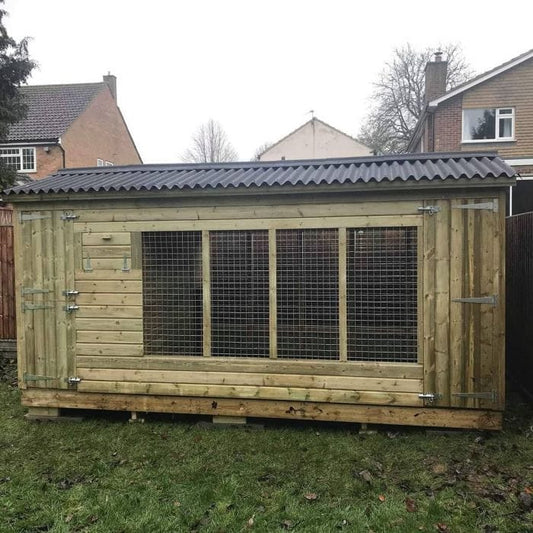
column 315, row 140
column 493, row 111
column 74, row 125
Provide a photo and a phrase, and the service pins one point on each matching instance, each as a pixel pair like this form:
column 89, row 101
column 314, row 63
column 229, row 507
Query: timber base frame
column 371, row 414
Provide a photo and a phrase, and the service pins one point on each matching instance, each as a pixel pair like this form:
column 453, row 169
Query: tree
column 398, row 97
column 210, row 144
column 15, row 69
column 260, row 150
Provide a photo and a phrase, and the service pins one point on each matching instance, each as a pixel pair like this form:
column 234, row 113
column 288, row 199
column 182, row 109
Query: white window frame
column 20, row 150
column 496, row 127
column 99, row 162
column 108, row 164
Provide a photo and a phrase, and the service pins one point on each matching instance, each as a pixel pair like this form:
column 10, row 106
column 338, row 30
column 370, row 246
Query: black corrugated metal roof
column 412, row 167
column 51, row 110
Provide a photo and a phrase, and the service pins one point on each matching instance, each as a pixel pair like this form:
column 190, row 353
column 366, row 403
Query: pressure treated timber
column 219, row 364
column 109, row 275
column 253, row 224
column 106, row 238
column 96, row 336
column 115, row 324
column 249, row 392
column 107, row 251
column 106, row 298
column 110, row 311
column 118, row 349
column 118, row 286
column 253, row 379
column 225, row 212
column 370, row 414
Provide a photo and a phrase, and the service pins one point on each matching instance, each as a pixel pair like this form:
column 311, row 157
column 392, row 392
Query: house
column 74, row 125
column 353, row 289
column 315, row 140
column 493, row 111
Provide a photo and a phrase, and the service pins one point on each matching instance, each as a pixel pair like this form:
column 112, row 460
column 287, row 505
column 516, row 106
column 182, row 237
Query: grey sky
column 256, row 67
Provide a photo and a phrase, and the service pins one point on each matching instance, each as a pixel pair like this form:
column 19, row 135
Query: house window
column 99, row 162
column 337, row 294
column 481, row 125
column 108, row 164
column 19, row 159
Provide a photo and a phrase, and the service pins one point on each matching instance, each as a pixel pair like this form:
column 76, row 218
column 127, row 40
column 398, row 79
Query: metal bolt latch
column 73, row 380
column 71, row 292
column 430, row 209
column 71, row 308
column 69, row 216
column 430, row 397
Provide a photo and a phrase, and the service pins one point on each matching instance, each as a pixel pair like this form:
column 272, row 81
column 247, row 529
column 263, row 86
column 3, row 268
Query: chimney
column 436, row 71
column 111, row 82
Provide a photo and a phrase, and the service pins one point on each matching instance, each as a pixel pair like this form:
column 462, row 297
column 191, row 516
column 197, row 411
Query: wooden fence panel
column 7, row 276
column 520, row 299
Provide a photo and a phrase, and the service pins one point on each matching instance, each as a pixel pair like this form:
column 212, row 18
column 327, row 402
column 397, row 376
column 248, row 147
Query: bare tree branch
column 210, row 144
column 398, row 98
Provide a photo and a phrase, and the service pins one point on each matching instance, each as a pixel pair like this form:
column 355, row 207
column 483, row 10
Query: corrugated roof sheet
column 51, row 110
column 412, row 167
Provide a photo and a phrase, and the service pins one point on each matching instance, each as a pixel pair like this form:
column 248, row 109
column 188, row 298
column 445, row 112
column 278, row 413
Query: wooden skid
column 410, row 416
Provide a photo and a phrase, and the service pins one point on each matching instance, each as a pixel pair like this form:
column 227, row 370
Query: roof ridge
column 62, row 84
column 283, row 163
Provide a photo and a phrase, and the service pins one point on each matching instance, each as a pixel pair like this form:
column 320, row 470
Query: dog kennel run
column 358, row 290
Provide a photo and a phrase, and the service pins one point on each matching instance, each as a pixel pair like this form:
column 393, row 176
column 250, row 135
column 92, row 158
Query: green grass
column 106, row 475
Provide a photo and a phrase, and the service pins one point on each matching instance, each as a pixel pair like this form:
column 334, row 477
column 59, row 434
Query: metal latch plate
column 490, row 300
column 490, row 206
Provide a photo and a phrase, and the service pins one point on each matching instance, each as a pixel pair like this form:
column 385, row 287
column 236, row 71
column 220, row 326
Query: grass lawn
column 167, row 474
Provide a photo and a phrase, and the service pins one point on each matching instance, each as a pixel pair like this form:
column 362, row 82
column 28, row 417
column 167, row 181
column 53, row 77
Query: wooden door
column 44, row 271
column 464, row 303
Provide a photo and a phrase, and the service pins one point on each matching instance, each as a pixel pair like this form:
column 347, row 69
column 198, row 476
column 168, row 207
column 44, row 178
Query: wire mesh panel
column 172, row 292
column 308, row 293
column 239, row 293
column 382, row 294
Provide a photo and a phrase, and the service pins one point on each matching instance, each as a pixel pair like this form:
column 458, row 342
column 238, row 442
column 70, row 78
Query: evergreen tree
column 15, row 69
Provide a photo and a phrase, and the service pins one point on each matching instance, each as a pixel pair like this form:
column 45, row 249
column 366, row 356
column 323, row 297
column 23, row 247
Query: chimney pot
column 438, row 56
column 111, row 82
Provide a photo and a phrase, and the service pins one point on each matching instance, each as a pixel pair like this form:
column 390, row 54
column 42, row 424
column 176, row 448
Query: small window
column 481, row 125
column 99, row 162
column 19, row 159
column 108, row 164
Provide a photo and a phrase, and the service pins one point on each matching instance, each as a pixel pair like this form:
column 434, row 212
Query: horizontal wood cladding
column 201, row 364
column 252, row 379
column 252, row 224
column 512, row 88
column 411, row 416
column 249, row 392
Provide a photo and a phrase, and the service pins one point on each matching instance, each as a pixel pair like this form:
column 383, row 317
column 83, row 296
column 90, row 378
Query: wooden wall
column 460, row 344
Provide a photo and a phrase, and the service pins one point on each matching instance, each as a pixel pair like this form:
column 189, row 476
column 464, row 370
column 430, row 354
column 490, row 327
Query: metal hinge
column 71, row 308
column 490, row 300
column 71, row 292
column 31, row 290
column 73, row 380
column 429, row 209
column 69, row 215
column 32, row 377
column 492, row 395
column 34, row 307
column 33, row 216
column 491, row 206
column 430, row 397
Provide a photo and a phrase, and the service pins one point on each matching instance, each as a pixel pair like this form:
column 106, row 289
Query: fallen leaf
column 177, row 504
column 287, row 524
column 381, row 498
column 251, row 521
column 527, row 490
column 311, row 496
column 69, row 518
column 410, row 505
column 93, row 519
column 442, row 528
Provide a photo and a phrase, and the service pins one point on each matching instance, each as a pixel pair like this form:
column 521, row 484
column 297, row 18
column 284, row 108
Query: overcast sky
column 256, row 67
